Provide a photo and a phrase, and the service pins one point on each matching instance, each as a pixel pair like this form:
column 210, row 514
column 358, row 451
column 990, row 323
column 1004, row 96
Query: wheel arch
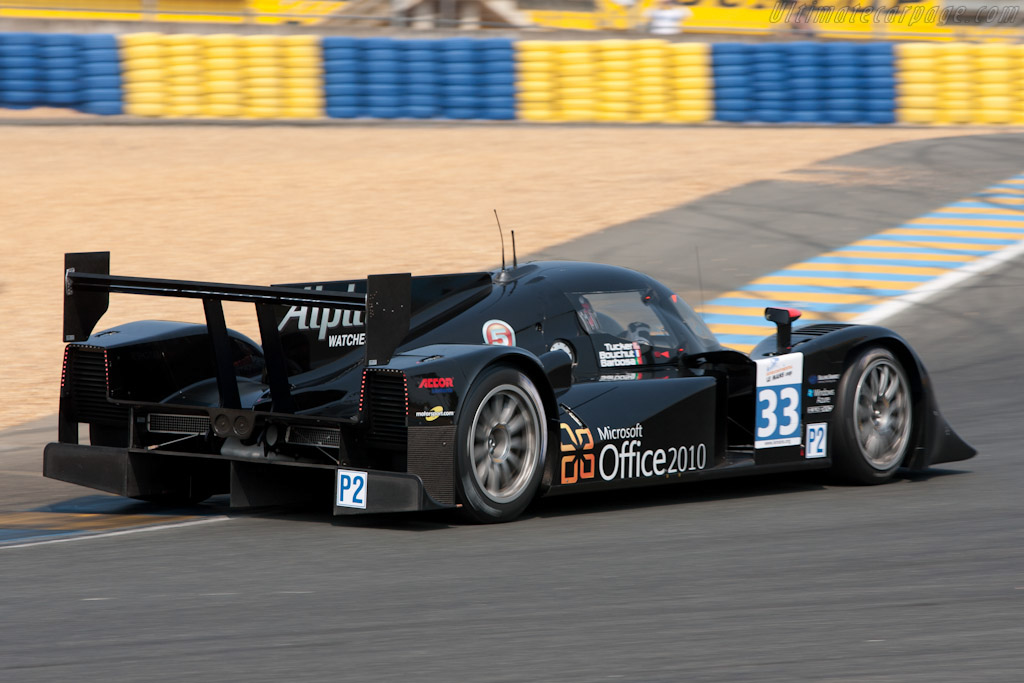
column 915, row 374
column 533, row 370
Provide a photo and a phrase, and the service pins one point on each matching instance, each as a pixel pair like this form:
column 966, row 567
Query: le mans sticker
column 779, row 380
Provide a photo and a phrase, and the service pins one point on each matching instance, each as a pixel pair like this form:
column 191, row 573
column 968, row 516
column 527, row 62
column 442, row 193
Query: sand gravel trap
column 285, row 204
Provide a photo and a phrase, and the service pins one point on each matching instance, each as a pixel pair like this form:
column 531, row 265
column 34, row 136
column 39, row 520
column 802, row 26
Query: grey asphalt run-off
column 783, row 578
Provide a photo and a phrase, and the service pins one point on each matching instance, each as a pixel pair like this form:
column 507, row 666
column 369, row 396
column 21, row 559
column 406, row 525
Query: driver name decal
column 619, row 355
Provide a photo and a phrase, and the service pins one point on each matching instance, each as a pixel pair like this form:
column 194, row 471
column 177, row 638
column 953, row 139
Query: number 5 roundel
column 777, row 419
column 499, row 333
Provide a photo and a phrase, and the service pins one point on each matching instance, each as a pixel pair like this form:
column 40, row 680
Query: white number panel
column 817, row 440
column 779, row 385
column 351, row 489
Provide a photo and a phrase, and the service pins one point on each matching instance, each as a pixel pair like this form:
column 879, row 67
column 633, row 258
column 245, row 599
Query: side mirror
column 783, row 319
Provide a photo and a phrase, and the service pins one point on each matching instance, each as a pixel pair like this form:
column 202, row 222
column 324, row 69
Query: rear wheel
column 502, row 436
column 875, row 410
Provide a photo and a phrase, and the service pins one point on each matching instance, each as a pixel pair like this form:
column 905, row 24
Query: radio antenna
column 700, row 280
column 515, row 264
column 502, row 236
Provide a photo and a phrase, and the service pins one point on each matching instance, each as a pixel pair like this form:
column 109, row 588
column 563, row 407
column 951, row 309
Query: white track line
column 120, row 532
column 939, row 284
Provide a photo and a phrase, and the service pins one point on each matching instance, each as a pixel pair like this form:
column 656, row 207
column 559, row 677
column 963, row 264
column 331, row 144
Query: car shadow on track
column 602, row 503
column 566, row 506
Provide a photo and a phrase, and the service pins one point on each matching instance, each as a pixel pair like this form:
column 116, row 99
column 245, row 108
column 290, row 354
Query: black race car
column 475, row 390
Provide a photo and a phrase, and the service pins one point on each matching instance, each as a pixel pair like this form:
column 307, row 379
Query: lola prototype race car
column 480, row 391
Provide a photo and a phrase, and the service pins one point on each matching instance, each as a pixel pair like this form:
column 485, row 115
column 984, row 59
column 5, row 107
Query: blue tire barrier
column 330, row 42
column 27, row 75
column 731, row 116
column 420, row 112
column 734, row 93
column 770, row 115
column 373, row 43
column 98, row 41
column 342, row 89
column 431, row 89
column 101, row 69
column 421, row 67
column 878, row 59
column 722, row 70
column 103, row 108
column 99, row 55
column 18, row 50
column 18, row 38
column 843, row 116
column 806, row 116
column 334, row 65
column 803, row 71
column 101, row 95
column 498, row 79
column 729, row 49
column 729, row 59
column 12, row 62
column 879, row 105
column 880, row 93
column 877, row 72
column 459, row 68
column 379, row 102
column 61, row 98
column 389, row 66
column 460, row 79
column 852, row 71
column 880, row 82
column 100, row 82
column 12, row 96
column 843, row 105
column 460, row 102
column 880, row 117
column 342, row 112
column 383, row 112
column 842, row 93
column 378, row 89
column 730, row 81
column 498, row 91
column 422, row 101
column 458, row 56
column 505, row 114
column 460, row 114
column 331, row 54
column 60, row 63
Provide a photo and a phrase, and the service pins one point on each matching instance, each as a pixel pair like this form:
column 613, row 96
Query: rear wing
column 386, row 305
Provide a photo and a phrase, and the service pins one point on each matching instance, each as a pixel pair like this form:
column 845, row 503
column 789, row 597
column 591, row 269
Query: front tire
column 502, row 440
column 875, row 410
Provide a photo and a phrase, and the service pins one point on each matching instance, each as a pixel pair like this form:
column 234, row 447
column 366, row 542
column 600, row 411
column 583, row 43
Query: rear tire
column 502, row 441
column 875, row 411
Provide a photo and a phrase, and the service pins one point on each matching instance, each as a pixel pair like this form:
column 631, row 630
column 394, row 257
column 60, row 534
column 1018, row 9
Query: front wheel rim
column 882, row 415
column 504, row 443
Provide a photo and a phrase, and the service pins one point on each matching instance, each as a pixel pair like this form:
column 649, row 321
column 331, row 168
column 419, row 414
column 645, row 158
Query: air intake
column 86, row 381
column 324, row 437
column 385, row 402
column 160, row 423
column 819, row 329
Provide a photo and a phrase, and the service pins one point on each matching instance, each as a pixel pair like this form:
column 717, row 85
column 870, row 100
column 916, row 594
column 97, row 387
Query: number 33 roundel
column 779, row 380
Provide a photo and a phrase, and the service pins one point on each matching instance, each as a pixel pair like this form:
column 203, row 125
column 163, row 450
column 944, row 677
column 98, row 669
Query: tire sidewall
column 475, row 503
column 850, row 462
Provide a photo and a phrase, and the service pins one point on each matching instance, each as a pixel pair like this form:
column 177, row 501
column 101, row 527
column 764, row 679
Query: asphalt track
column 778, row 579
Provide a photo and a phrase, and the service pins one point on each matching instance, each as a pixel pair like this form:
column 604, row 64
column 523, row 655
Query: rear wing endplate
column 387, row 307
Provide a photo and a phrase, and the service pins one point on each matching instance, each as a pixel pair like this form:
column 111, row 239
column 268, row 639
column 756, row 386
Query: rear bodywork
column 363, row 380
